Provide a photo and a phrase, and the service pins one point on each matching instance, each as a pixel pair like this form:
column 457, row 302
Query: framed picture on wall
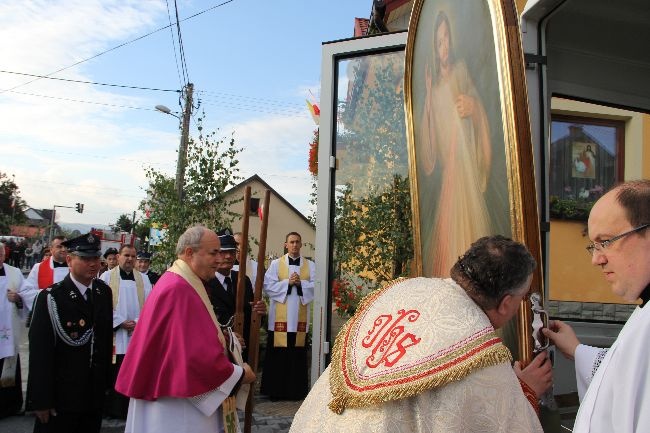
column 470, row 153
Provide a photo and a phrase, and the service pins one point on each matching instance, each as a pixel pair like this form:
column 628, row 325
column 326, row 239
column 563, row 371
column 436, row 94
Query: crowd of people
column 22, row 254
column 419, row 355
column 82, row 321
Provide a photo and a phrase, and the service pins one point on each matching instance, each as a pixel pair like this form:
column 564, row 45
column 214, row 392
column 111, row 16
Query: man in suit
column 70, row 345
column 223, row 290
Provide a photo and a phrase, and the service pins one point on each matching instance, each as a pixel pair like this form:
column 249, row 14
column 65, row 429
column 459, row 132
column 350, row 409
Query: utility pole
column 52, row 223
column 182, row 148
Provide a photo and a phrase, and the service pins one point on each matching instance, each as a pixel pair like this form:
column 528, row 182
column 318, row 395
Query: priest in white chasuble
column 289, row 284
column 12, row 313
column 422, row 354
column 614, row 384
column 45, row 273
column 177, row 371
column 130, row 289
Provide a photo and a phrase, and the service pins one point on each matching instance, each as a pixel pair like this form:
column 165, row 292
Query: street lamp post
column 185, row 133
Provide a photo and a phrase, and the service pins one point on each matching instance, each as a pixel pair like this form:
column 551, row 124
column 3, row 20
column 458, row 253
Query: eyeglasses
column 601, row 246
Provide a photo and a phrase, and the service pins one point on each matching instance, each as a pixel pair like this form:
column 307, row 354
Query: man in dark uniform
column 70, row 345
column 222, row 290
column 143, row 262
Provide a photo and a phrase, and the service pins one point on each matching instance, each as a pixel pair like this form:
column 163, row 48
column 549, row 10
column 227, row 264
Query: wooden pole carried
column 243, row 253
column 254, row 337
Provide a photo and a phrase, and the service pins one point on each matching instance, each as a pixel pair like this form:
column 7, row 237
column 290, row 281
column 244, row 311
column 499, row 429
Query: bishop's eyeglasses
column 602, row 246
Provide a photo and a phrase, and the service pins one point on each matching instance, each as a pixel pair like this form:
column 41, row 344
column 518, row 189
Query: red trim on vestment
column 45, row 274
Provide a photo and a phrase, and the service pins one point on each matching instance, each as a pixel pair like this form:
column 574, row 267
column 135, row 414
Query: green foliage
column 372, row 223
column 572, row 209
column 142, row 228
column 373, row 235
column 124, row 223
column 9, row 193
column 211, row 170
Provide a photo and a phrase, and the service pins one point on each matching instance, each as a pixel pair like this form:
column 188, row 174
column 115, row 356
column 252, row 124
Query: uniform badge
column 91, row 239
column 72, row 294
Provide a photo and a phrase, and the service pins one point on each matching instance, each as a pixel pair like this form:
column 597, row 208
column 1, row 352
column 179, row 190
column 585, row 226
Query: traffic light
column 80, row 207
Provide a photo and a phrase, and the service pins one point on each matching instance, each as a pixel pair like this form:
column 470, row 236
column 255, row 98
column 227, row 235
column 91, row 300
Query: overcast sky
column 253, row 64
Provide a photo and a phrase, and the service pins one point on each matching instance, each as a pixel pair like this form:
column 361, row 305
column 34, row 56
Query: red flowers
column 313, row 154
column 346, row 297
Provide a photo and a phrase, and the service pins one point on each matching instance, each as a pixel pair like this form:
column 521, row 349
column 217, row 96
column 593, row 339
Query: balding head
column 199, row 248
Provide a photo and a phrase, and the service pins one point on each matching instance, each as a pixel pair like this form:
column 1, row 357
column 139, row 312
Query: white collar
column 82, row 288
column 221, row 277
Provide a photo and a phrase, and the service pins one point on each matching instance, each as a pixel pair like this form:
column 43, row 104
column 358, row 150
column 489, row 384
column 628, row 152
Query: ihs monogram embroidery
column 390, row 338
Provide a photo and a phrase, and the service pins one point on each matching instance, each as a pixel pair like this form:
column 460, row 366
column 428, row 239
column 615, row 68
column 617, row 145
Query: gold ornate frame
column 522, row 195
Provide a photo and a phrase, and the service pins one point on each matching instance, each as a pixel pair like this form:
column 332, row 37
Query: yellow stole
column 280, row 327
column 114, row 284
column 182, row 269
column 229, row 405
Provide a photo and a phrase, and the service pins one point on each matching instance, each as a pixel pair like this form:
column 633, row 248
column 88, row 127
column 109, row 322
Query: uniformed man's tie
column 228, row 282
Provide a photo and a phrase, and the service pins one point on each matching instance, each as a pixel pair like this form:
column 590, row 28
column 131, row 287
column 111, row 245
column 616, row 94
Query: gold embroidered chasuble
column 280, row 327
column 418, row 356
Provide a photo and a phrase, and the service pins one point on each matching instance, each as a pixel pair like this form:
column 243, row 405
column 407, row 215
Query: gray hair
column 191, row 238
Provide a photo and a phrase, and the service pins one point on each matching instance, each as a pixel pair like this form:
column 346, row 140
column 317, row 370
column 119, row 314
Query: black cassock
column 63, row 373
column 11, row 397
column 224, row 304
column 153, row 277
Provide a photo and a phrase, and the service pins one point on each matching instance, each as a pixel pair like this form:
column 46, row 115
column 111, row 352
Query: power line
column 87, row 82
column 288, row 113
column 92, row 155
column 118, row 46
column 186, row 75
column 252, row 98
column 215, row 96
column 171, row 31
column 82, row 101
column 208, row 102
column 83, row 188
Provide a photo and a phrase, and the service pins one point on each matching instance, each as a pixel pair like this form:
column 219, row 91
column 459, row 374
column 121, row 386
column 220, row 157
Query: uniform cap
column 88, row 245
column 227, row 240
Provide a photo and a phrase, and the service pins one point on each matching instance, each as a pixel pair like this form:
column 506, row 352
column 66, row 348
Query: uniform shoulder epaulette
column 55, row 286
column 100, row 286
column 101, row 282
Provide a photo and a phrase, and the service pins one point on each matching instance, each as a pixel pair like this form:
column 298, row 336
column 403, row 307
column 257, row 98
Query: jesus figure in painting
column 456, row 141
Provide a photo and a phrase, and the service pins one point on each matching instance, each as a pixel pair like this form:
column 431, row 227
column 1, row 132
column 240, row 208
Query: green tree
column 142, row 228
column 124, row 223
column 12, row 207
column 211, row 170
